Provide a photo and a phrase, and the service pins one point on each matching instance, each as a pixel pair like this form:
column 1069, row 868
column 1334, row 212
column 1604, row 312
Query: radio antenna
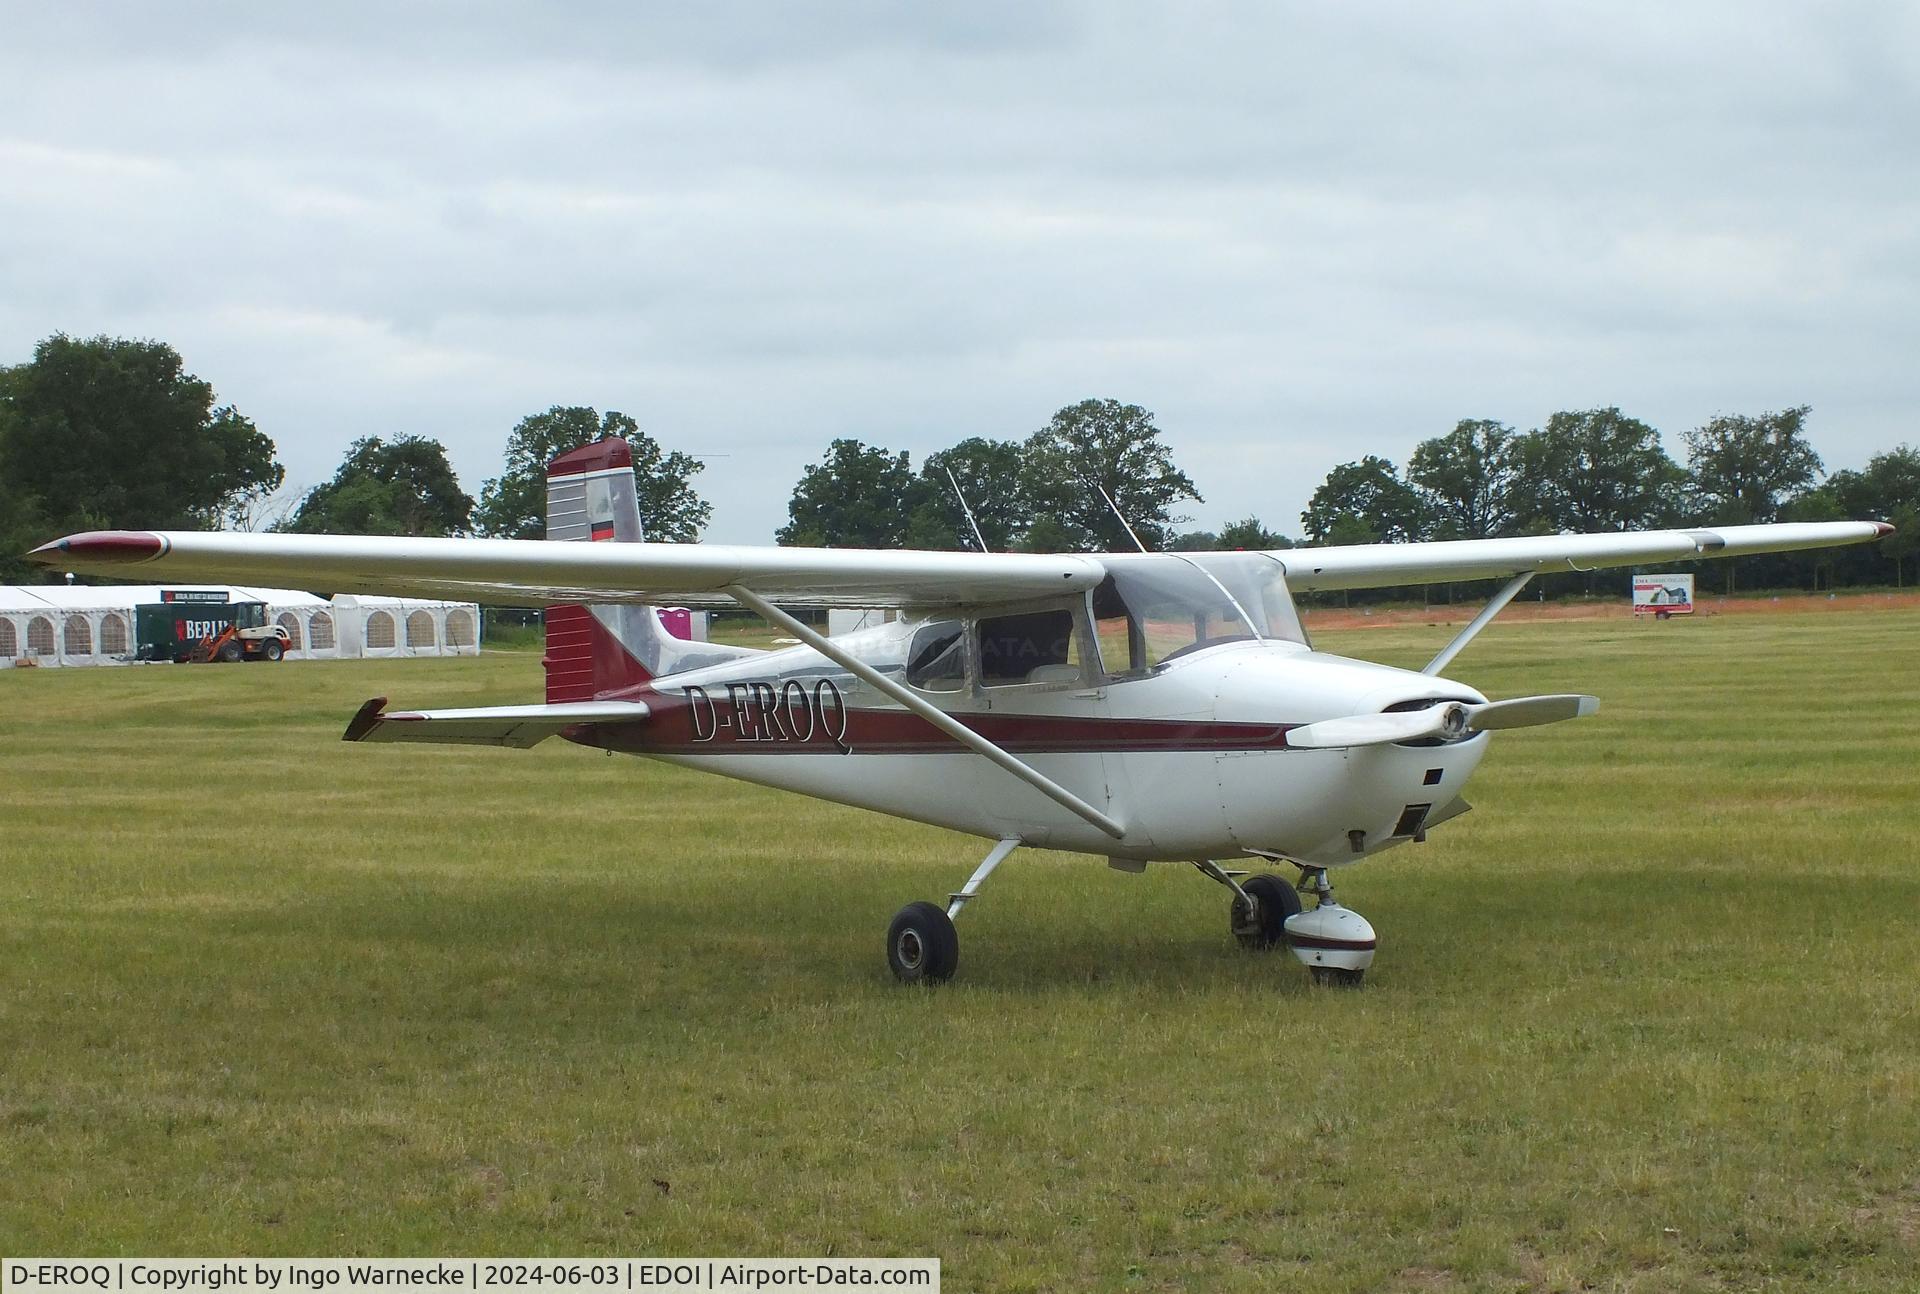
column 961, row 495
column 1123, row 520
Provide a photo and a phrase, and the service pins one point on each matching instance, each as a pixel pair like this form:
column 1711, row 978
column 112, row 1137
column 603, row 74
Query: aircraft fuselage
column 1191, row 759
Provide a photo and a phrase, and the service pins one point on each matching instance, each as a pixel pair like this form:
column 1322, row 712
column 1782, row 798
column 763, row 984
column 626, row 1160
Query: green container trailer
column 171, row 630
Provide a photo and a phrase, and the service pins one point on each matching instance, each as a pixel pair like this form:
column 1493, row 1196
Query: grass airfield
column 1645, row 1020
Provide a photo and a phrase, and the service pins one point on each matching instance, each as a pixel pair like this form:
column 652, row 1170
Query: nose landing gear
column 1334, row 943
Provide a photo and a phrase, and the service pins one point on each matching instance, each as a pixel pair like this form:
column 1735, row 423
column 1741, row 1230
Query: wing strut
column 932, row 714
column 1495, row 605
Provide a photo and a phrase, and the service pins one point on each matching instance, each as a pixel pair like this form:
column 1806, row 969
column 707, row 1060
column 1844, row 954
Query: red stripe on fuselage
column 746, row 724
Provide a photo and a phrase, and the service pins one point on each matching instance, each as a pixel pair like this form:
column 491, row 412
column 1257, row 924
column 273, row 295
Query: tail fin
column 595, row 651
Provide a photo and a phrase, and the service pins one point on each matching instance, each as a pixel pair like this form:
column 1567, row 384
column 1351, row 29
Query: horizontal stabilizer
column 1450, row 720
column 518, row 726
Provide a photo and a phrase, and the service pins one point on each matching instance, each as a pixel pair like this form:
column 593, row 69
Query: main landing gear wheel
column 1274, row 900
column 922, row 947
column 1337, row 976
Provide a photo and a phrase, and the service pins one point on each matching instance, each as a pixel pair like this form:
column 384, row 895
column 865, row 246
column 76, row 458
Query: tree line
column 1601, row 470
column 99, row 433
column 1586, row 470
column 107, row 433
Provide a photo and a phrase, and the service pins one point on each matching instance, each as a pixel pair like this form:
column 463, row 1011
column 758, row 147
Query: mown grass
column 1645, row 1020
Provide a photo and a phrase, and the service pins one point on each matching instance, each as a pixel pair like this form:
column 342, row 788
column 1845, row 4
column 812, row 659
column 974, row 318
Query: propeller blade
column 1379, row 729
column 1530, row 711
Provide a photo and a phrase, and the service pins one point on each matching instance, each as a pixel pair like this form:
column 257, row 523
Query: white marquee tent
column 62, row 624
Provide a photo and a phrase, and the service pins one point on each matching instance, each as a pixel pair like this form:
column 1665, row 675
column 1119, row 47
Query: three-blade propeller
column 1450, row 720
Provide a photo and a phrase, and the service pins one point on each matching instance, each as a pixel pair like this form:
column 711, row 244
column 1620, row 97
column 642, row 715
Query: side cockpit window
column 1032, row 647
column 937, row 657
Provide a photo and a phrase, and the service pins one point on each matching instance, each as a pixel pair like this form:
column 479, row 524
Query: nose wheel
column 1335, row 944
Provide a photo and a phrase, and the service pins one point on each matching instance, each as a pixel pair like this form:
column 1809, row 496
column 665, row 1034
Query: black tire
column 271, row 650
column 229, row 653
column 1337, row 976
column 1274, row 900
column 922, row 947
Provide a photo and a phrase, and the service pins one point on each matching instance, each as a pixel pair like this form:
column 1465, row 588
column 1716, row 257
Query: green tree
column 1887, row 489
column 21, row 528
column 1596, row 470
column 1371, row 495
column 1348, row 530
column 105, row 432
column 1045, row 534
column 1250, row 535
column 858, row 496
column 991, row 473
column 1745, row 469
column 1466, row 479
column 1103, row 444
column 402, row 487
column 1194, row 541
column 513, row 505
column 1904, row 542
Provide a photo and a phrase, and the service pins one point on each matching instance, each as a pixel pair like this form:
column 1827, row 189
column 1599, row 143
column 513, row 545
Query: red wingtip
column 101, row 546
column 1882, row 529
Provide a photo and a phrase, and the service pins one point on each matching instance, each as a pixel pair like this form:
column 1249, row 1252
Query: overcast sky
column 1297, row 234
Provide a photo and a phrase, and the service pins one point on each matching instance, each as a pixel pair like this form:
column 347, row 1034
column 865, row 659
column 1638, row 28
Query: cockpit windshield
column 1259, row 584
column 1155, row 607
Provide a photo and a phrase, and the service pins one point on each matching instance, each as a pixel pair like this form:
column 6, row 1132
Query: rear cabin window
column 1033, row 647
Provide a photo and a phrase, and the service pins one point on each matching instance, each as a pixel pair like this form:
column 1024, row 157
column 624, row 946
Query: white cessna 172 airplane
column 1137, row 706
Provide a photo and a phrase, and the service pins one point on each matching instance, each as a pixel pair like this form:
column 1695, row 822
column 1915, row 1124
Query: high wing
column 1373, row 566
column 538, row 572
column 534, row 572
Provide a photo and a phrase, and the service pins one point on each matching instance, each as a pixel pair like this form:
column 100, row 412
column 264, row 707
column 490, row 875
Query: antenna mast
column 1116, row 512
column 961, row 495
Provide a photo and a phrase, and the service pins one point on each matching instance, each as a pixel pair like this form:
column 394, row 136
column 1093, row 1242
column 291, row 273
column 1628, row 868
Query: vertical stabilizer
column 594, row 651
column 590, row 494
